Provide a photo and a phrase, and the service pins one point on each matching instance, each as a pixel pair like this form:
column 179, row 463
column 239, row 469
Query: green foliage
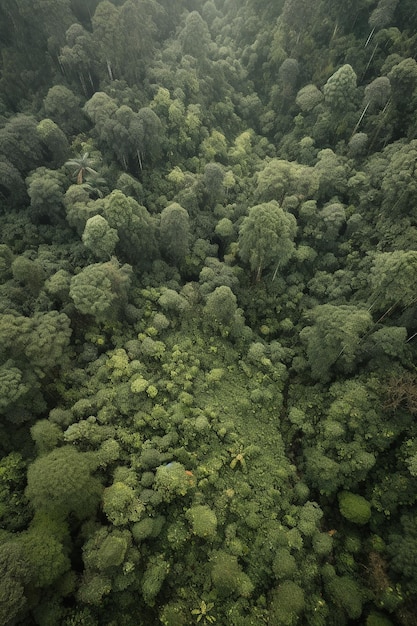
column 339, row 91
column 345, row 593
column 45, row 553
column 15, row 576
column 266, row 237
column 54, row 140
column 121, row 504
column 100, row 289
column 377, row 619
column 45, row 190
column 308, row 97
column 203, row 521
column 228, row 577
column 62, row 106
column 280, row 178
column 153, row 579
column 354, row 508
column 105, row 551
column 287, row 603
column 284, row 564
column 46, row 436
column 390, row 278
column 171, row 481
column 93, row 588
column 333, row 339
column 99, row 238
column 221, row 306
column 174, row 232
column 61, row 483
column 204, row 424
column 14, row 511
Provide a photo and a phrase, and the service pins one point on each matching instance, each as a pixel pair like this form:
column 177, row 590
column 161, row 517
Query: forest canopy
column 208, row 331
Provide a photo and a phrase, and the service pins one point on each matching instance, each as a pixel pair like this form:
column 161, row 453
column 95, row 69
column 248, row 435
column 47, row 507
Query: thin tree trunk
column 139, row 160
column 369, row 37
column 360, row 119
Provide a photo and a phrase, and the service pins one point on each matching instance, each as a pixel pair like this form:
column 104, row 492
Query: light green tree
column 266, row 237
column 121, row 504
column 101, row 289
column 340, row 89
column 61, row 483
column 221, row 307
column 99, row 238
column 281, row 178
column 203, row 521
column 392, row 279
column 354, row 507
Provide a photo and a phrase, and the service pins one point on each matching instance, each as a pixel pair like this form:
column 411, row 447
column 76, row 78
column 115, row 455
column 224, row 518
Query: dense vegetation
column 208, row 325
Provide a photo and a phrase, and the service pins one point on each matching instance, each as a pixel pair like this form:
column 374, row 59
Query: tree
column 46, row 436
column 287, row 603
column 105, row 37
column 203, row 521
column 195, row 36
column 106, row 550
column 61, row 483
column 345, row 593
column 340, row 89
column 399, row 180
column 332, row 341
column 12, row 186
column 136, row 228
column 288, row 74
column 146, row 135
column 99, row 238
column 82, row 166
column 101, row 289
column 308, row 98
column 266, row 237
column 136, row 27
column 228, row 577
column 280, row 178
column 46, row 345
column 392, row 279
column 354, row 508
column 100, row 109
column 79, row 58
column 55, row 142
column 62, row 106
column 20, row 143
column 213, row 181
column 121, row 504
column 377, row 93
column 402, row 548
column 15, row 577
column 382, row 15
column 174, row 232
column 221, row 306
column 14, row 511
column 46, row 193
